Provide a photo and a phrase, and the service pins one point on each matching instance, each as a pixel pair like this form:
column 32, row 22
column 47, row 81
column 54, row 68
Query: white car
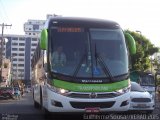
column 28, row 89
column 141, row 100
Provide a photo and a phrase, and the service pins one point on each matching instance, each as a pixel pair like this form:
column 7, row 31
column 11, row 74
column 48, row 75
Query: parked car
column 141, row 99
column 28, row 89
column 7, row 92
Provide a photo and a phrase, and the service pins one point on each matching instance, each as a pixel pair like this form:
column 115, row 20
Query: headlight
column 152, row 96
column 59, row 90
column 63, row 91
column 122, row 91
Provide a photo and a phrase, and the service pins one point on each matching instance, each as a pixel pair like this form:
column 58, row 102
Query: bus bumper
column 59, row 103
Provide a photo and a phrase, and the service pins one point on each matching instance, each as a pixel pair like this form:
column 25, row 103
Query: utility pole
column 2, row 49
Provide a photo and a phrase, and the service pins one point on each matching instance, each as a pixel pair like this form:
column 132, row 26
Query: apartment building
column 20, row 49
column 33, row 27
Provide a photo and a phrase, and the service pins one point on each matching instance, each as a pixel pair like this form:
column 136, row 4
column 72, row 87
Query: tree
column 140, row 61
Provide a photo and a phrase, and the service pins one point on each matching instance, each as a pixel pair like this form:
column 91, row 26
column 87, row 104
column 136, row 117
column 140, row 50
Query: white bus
column 148, row 82
column 94, row 73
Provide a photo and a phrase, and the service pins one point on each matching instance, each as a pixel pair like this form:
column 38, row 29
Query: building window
column 21, row 54
column 14, row 49
column 14, row 65
column 14, row 59
column 33, row 49
column 14, row 38
column 21, row 59
column 21, row 44
column 34, row 39
column 20, row 65
column 21, row 49
column 29, row 33
column 14, row 43
column 14, row 54
column 21, row 75
column 35, row 27
column 34, row 44
column 21, row 70
column 22, row 38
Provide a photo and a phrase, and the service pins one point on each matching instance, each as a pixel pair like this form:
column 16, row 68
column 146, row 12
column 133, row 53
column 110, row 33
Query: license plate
column 142, row 105
column 91, row 110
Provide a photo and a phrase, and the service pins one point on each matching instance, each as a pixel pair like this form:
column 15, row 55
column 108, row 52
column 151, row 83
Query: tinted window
column 147, row 80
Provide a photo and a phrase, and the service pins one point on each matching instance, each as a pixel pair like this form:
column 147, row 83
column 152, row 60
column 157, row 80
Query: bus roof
column 81, row 22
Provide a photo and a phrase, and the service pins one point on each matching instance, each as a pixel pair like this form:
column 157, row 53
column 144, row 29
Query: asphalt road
column 23, row 109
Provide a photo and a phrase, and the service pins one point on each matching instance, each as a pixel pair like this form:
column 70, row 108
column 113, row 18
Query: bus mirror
column 131, row 43
column 44, row 39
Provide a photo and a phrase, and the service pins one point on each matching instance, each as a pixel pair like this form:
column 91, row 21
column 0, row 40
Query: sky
column 135, row 15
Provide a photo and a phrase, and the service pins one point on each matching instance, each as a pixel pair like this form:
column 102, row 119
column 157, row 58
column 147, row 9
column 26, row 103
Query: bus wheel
column 41, row 100
column 47, row 114
column 36, row 105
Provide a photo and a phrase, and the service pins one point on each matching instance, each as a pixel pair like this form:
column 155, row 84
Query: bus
column 94, row 74
column 148, row 82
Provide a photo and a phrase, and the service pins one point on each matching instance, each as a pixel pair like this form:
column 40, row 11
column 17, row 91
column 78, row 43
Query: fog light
column 124, row 103
column 56, row 103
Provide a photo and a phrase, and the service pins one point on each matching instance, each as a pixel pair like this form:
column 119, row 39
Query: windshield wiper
column 79, row 65
column 100, row 60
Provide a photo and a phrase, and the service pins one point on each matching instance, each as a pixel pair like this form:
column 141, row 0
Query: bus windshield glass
column 88, row 52
column 147, row 80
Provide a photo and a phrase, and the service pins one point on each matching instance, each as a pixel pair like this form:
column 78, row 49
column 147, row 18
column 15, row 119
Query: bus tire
column 47, row 114
column 33, row 94
column 41, row 101
column 36, row 105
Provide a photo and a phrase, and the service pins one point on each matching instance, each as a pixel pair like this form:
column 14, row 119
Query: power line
column 1, row 51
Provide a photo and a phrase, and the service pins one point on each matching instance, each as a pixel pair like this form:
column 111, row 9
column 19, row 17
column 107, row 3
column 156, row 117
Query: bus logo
column 93, row 95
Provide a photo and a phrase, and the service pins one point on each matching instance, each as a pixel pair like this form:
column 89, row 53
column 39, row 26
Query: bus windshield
column 88, row 52
column 147, row 80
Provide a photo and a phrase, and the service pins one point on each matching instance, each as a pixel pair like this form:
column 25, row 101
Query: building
column 20, row 49
column 33, row 27
column 6, row 66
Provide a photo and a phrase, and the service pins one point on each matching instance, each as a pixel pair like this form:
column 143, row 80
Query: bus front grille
column 83, row 105
column 141, row 100
column 88, row 95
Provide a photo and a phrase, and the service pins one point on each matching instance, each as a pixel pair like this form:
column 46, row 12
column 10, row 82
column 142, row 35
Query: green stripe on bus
column 81, row 87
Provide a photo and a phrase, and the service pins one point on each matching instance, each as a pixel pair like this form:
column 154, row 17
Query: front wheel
column 36, row 105
column 47, row 114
